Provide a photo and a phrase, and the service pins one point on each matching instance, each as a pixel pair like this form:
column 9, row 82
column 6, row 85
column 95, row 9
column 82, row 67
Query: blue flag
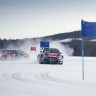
column 44, row 44
column 88, row 29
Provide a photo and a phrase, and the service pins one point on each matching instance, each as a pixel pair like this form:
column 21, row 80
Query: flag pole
column 82, row 57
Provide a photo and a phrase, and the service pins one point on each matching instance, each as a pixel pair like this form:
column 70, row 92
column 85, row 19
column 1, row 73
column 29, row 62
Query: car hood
column 54, row 55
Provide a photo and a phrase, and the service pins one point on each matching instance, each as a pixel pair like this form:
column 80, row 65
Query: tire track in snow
column 48, row 77
column 44, row 77
column 18, row 76
column 4, row 76
column 14, row 76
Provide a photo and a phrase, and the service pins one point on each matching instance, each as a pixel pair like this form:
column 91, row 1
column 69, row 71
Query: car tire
column 61, row 63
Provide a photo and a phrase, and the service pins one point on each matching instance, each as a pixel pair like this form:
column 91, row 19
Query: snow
column 28, row 78
column 69, row 39
column 94, row 40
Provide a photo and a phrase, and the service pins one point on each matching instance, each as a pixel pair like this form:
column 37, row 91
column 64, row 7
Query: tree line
column 75, row 43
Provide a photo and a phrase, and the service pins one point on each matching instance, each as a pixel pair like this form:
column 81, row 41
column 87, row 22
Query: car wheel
column 61, row 63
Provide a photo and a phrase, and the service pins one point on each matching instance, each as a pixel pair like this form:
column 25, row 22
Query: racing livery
column 50, row 56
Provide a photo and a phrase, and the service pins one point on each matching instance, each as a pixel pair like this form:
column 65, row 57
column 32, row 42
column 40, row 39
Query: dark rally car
column 50, row 56
column 13, row 54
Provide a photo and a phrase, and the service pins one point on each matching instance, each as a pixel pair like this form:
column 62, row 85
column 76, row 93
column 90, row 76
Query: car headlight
column 60, row 57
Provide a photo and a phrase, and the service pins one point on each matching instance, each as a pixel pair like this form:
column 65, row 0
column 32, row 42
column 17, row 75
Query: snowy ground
column 24, row 78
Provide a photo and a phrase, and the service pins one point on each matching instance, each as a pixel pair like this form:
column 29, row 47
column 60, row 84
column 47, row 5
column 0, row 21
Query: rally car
column 22, row 54
column 12, row 54
column 50, row 56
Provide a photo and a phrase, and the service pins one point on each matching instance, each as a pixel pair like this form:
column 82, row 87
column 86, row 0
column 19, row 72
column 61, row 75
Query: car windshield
column 52, row 50
column 21, row 52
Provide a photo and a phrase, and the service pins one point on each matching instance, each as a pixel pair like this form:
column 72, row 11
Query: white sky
column 34, row 18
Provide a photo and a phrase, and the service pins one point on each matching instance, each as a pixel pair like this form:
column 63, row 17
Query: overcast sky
column 34, row 18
